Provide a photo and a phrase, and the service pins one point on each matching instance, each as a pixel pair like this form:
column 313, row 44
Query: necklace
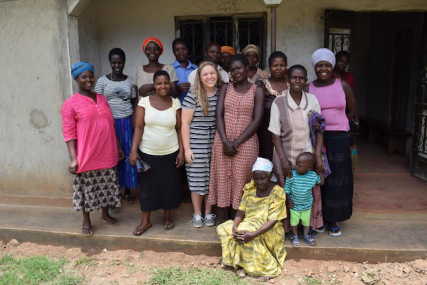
column 111, row 77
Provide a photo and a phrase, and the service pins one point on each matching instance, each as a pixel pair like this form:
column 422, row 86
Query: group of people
column 269, row 149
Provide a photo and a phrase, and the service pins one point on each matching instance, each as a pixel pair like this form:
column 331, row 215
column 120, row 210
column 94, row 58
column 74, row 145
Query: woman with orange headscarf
column 143, row 80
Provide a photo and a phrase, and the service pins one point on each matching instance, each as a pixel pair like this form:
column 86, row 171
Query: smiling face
column 297, row 80
column 162, row 85
column 117, row 64
column 261, row 179
column 253, row 58
column 278, row 68
column 342, row 63
column 238, row 71
column 209, row 76
column 153, row 51
column 213, row 53
column 86, row 80
column 181, row 52
column 323, row 70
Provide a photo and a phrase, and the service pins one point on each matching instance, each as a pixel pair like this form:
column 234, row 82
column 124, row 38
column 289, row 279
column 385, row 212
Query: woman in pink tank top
column 336, row 100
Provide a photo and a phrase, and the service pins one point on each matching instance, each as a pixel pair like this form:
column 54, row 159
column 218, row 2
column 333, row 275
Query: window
column 236, row 30
column 338, row 30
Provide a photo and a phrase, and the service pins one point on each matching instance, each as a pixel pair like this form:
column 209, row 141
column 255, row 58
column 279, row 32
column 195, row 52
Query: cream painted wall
column 35, row 80
column 299, row 23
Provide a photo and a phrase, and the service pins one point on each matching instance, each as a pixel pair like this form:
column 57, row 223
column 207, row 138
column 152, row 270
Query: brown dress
column 230, row 174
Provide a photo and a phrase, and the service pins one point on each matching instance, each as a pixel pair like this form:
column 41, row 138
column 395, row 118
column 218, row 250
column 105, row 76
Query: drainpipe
column 273, row 4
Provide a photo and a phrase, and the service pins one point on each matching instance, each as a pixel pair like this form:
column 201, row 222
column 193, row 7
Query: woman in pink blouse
column 88, row 128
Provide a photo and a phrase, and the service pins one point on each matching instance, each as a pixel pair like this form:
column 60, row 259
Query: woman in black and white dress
column 198, row 133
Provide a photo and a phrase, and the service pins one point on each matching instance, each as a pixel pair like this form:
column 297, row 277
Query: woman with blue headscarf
column 88, row 129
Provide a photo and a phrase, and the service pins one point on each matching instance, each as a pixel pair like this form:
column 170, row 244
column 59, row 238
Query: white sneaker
column 197, row 220
column 210, row 220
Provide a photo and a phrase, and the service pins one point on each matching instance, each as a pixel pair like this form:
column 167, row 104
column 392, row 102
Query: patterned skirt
column 128, row 174
column 96, row 189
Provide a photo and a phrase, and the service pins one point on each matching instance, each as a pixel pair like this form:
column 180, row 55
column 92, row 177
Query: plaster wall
column 35, row 80
column 299, row 24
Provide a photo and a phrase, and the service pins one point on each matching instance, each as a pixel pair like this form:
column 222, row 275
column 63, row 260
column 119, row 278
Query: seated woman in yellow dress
column 255, row 240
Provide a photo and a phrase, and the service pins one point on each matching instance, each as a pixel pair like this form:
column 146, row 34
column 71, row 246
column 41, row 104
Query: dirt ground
column 130, row 267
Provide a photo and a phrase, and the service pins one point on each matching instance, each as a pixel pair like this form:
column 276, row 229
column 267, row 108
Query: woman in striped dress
column 121, row 95
column 239, row 114
column 198, row 132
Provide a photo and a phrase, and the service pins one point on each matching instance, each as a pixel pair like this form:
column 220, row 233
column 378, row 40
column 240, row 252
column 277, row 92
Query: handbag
column 141, row 166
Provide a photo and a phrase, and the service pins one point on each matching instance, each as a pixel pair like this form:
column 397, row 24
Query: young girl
column 255, row 240
column 299, row 195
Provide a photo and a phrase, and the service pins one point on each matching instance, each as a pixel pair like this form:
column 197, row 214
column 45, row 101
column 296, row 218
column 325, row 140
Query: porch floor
column 389, row 222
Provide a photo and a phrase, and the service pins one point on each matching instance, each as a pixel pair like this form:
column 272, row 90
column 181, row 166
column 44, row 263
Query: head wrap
column 154, row 40
column 262, row 164
column 80, row 67
column 323, row 54
column 228, row 49
column 253, row 48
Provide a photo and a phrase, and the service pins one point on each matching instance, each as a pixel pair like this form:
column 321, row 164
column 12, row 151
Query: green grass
column 199, row 276
column 85, row 262
column 312, row 281
column 35, row 270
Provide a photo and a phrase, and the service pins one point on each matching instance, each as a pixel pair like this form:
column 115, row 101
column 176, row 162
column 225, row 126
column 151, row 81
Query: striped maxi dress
column 202, row 134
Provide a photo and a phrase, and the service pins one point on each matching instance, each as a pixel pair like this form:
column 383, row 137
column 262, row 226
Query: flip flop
column 321, row 229
column 295, row 241
column 313, row 233
column 87, row 234
column 332, row 230
column 168, row 225
column 309, row 240
column 114, row 224
column 129, row 199
column 138, row 231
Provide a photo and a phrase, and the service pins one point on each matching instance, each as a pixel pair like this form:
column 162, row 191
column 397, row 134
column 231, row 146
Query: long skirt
column 337, row 193
column 160, row 186
column 128, row 174
column 96, row 189
column 262, row 256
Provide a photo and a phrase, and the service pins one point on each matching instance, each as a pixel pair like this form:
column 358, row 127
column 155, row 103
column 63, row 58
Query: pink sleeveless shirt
column 332, row 103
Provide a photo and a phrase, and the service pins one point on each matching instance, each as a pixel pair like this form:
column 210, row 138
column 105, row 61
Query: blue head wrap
column 80, row 67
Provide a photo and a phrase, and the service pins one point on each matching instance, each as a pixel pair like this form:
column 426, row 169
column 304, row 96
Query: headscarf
column 228, row 49
column 323, row 54
column 262, row 164
column 80, row 67
column 253, row 48
column 154, row 40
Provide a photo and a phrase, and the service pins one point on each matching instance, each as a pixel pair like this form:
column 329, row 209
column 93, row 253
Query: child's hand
column 291, row 203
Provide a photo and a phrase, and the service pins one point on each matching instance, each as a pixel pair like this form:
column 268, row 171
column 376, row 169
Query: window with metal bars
column 234, row 30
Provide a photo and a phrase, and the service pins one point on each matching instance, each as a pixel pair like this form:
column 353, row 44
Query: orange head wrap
column 228, row 49
column 154, row 40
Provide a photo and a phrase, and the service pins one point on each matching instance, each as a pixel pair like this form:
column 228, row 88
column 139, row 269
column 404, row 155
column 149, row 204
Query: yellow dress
column 265, row 254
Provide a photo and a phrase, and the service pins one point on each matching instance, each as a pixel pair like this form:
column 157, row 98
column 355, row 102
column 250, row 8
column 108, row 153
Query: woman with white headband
column 338, row 105
column 254, row 242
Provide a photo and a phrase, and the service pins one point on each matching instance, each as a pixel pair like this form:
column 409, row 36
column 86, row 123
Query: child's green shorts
column 304, row 216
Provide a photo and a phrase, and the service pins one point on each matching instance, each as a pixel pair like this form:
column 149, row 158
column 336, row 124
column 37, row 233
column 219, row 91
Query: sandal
column 168, row 225
column 112, row 222
column 295, row 241
column 313, row 233
column 138, row 231
column 88, row 233
column 129, row 199
column 321, row 229
column 309, row 240
column 335, row 232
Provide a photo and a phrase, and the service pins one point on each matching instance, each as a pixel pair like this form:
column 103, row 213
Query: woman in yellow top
column 255, row 240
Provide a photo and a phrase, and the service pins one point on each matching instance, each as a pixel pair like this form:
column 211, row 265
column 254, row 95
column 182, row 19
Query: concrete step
column 362, row 240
